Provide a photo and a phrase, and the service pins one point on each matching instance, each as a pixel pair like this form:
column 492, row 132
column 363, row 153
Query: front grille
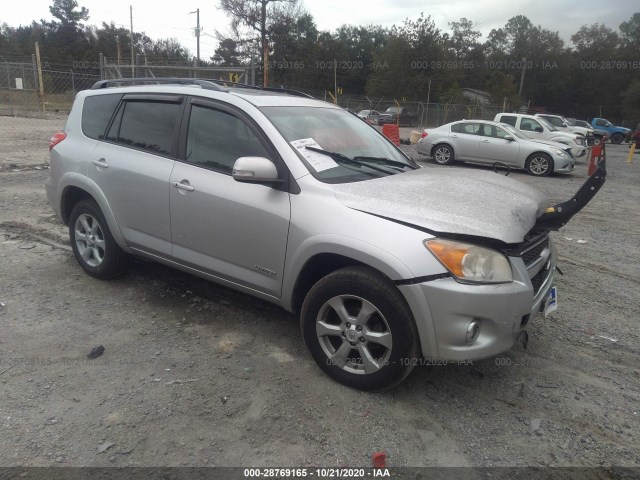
column 538, row 280
column 535, row 248
column 530, row 255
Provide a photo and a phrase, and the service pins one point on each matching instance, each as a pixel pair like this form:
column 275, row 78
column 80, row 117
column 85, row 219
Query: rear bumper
column 444, row 308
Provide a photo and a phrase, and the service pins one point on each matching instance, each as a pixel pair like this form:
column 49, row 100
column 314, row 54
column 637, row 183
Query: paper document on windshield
column 318, row 161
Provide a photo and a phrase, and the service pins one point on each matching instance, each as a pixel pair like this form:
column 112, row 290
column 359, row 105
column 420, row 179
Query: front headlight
column 471, row 263
column 560, row 153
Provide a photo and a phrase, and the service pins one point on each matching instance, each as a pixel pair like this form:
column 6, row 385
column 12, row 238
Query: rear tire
column 93, row 245
column 359, row 329
column 617, row 138
column 443, row 154
column 539, row 165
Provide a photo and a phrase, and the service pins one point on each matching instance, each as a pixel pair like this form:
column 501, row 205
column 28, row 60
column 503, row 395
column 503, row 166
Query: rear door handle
column 485, row 141
column 101, row 163
column 184, row 185
column 454, row 136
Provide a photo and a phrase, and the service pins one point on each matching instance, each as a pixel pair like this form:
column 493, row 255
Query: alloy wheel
column 354, row 334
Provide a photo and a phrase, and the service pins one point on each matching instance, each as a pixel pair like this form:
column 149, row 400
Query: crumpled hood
column 450, row 200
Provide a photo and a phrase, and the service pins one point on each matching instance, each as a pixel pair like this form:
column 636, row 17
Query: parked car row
column 489, row 142
column 539, row 128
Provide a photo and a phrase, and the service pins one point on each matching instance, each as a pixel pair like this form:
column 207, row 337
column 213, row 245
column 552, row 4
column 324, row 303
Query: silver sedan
column 483, row 141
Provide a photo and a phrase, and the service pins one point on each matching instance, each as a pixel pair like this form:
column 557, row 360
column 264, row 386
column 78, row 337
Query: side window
column 529, row 125
column 456, row 128
column 487, row 130
column 146, row 125
column 509, row 119
column 470, row 128
column 601, row 123
column 96, row 113
column 500, row 133
column 216, row 139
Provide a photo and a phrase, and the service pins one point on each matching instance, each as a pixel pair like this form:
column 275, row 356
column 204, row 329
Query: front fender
column 358, row 250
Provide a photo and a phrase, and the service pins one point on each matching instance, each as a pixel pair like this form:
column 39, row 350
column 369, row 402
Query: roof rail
column 289, row 91
column 207, row 83
column 204, row 83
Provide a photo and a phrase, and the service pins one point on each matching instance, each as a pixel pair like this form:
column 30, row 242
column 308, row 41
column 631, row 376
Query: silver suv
column 300, row 203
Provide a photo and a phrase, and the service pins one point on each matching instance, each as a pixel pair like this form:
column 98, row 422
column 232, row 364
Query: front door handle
column 485, row 141
column 184, row 185
column 101, row 163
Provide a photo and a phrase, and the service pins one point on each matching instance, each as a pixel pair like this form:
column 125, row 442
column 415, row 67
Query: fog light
column 473, row 330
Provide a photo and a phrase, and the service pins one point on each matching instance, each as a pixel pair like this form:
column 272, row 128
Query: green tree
column 630, row 32
column 66, row 13
column 227, row 53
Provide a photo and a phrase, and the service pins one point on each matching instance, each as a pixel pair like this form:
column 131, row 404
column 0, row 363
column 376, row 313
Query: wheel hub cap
column 352, row 335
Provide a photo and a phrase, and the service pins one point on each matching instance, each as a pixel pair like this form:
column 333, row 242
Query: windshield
column 556, row 122
column 391, row 110
column 335, row 131
column 546, row 123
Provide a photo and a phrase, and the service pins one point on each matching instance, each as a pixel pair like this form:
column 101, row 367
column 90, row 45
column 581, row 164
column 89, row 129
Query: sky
column 159, row 20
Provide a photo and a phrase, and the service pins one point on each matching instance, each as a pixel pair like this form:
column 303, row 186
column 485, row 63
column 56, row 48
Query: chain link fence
column 31, row 111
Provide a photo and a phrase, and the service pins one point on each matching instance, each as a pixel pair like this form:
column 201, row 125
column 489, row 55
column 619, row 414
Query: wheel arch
column 436, row 145
column 541, row 152
column 318, row 257
column 75, row 187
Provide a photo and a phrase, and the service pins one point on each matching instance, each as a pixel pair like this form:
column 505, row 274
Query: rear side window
column 147, row 125
column 96, row 113
column 509, row 119
column 470, row 128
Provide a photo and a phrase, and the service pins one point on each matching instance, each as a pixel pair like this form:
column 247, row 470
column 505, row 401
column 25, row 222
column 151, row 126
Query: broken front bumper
column 444, row 310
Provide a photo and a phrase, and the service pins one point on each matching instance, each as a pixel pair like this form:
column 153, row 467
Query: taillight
column 424, row 134
column 56, row 139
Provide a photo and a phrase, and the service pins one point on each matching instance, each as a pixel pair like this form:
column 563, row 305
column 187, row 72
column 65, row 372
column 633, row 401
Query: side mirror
column 538, row 129
column 509, row 138
column 255, row 170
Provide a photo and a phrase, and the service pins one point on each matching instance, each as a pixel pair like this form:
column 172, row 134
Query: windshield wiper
column 343, row 158
column 386, row 160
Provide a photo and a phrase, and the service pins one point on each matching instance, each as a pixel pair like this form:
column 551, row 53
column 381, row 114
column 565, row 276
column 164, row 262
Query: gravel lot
column 195, row 374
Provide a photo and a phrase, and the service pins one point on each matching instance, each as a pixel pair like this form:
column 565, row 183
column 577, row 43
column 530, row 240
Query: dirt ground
column 195, row 374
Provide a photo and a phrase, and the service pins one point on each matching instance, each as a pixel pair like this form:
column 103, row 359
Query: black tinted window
column 217, row 139
column 96, row 113
column 149, row 126
column 511, row 120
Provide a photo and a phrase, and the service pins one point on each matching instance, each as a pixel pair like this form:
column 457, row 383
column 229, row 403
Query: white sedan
column 482, row 141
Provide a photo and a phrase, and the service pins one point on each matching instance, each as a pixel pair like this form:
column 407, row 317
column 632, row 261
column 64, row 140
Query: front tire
column 443, row 154
column 539, row 165
column 93, row 245
column 359, row 329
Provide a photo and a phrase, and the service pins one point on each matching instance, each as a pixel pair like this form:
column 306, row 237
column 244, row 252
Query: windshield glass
column 391, row 110
column 336, row 131
column 545, row 122
column 555, row 121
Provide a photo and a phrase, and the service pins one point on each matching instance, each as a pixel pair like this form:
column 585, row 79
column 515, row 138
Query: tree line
column 519, row 64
